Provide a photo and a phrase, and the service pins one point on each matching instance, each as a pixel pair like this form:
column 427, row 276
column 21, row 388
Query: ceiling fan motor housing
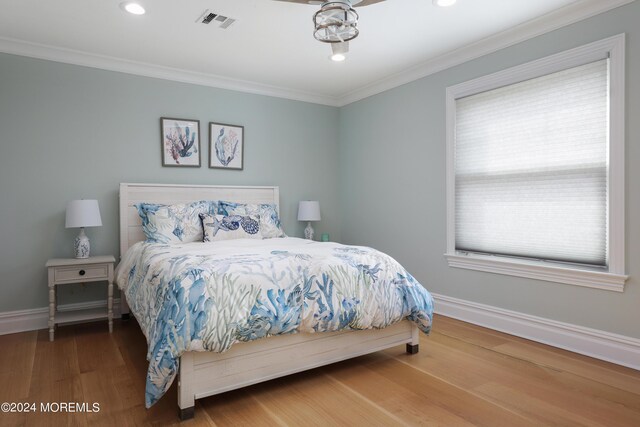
column 336, row 22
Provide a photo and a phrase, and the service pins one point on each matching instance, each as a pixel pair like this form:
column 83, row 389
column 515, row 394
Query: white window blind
column 531, row 168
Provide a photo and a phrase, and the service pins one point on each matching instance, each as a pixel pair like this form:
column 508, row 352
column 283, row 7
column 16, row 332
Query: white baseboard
column 602, row 345
column 38, row 318
column 614, row 348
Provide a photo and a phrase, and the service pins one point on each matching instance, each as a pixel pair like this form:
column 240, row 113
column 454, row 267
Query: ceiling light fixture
column 339, row 51
column 335, row 22
column 132, row 7
column 444, row 3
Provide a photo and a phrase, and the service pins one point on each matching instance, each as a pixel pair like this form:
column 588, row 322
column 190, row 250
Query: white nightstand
column 75, row 270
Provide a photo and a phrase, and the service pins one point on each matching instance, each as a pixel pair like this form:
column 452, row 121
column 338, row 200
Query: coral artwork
column 226, row 146
column 180, row 142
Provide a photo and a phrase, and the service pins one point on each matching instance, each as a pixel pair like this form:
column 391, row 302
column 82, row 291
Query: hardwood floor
column 464, row 375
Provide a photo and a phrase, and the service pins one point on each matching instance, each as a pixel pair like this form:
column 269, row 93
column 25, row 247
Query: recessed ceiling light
column 132, row 7
column 338, row 57
column 444, row 3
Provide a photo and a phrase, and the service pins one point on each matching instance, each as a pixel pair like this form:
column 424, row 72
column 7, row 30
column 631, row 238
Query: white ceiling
column 272, row 42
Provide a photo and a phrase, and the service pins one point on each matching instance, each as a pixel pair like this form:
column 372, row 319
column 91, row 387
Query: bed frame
column 204, row 374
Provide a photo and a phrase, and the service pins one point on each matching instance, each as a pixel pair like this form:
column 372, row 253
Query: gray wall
column 392, row 161
column 69, row 132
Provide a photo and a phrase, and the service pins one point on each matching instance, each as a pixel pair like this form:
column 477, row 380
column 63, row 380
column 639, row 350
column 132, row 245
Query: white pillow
column 179, row 223
column 229, row 227
column 270, row 225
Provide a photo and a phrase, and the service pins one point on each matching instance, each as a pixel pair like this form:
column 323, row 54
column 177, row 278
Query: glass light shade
column 83, row 213
column 339, row 51
column 309, row 211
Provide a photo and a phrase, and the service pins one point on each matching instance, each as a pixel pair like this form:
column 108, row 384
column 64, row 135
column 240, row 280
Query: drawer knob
column 82, row 272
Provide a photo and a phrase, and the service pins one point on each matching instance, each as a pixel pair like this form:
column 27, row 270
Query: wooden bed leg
column 124, row 307
column 414, row 346
column 186, row 396
column 413, row 349
column 186, row 413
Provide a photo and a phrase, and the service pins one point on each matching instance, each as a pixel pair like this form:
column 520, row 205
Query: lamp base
column 81, row 245
column 308, row 231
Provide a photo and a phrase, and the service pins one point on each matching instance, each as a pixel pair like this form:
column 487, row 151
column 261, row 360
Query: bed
column 205, row 373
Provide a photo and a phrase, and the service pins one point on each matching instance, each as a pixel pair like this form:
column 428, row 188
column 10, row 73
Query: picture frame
column 226, row 146
column 180, row 139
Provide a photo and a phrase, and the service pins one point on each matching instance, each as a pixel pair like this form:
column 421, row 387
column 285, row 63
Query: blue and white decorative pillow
column 229, row 227
column 179, row 223
column 270, row 225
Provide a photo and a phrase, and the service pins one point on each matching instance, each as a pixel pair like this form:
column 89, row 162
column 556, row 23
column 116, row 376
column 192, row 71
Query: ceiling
column 271, row 43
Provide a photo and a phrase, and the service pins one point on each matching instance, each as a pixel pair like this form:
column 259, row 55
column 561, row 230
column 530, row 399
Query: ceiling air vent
column 221, row 21
column 227, row 23
column 207, row 19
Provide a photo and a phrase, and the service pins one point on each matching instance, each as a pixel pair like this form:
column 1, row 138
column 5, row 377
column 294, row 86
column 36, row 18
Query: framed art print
column 180, row 142
column 226, row 146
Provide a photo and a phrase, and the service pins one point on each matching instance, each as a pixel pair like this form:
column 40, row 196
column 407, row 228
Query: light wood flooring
column 464, row 375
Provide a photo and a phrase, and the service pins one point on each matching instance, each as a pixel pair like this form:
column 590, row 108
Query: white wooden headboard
column 130, row 194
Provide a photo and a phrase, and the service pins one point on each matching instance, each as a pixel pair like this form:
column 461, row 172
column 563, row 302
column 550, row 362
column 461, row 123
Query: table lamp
column 82, row 213
column 309, row 211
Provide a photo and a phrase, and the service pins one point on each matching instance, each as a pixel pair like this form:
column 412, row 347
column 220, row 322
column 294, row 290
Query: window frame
column 613, row 278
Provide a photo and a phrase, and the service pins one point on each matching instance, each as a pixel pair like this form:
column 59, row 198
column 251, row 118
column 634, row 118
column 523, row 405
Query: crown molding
column 582, row 9
column 104, row 62
column 559, row 18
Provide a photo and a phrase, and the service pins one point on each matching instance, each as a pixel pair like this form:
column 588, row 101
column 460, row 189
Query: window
column 536, row 169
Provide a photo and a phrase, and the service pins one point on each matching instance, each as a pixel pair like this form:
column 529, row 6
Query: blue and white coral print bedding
column 207, row 296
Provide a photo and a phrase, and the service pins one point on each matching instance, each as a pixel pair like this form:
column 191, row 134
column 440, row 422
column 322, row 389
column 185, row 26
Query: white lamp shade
column 83, row 213
column 309, row 211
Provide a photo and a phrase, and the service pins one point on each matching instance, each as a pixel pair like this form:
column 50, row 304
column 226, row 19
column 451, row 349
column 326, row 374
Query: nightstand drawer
column 96, row 271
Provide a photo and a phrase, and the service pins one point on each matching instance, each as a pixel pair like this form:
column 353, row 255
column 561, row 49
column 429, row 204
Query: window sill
column 540, row 271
